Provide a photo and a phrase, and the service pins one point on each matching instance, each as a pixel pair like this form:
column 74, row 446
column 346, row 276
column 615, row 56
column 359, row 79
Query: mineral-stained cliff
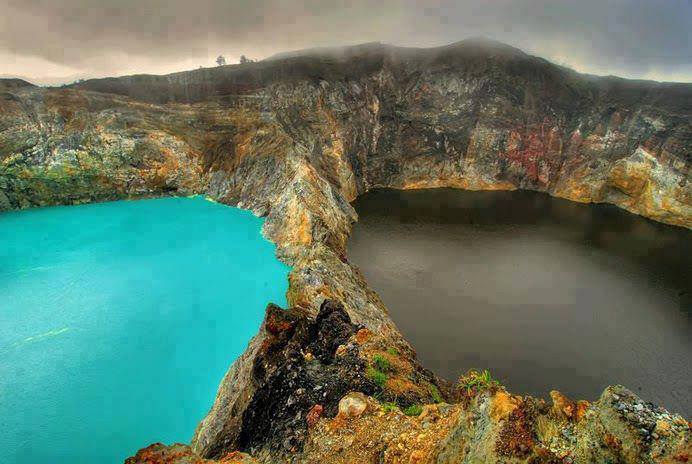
column 296, row 139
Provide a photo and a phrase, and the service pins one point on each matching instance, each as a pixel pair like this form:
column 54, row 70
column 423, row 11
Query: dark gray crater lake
column 545, row 293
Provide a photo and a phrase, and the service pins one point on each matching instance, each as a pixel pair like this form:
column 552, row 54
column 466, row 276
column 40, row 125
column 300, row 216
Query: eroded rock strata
column 296, row 139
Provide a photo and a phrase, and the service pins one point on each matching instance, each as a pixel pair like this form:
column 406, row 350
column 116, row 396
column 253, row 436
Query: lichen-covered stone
column 353, row 405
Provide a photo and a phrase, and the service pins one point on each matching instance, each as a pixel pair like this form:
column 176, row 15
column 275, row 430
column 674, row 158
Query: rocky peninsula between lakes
column 296, row 138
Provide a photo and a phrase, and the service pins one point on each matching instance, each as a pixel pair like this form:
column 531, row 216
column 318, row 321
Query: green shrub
column 435, row 394
column 393, row 351
column 478, row 381
column 381, row 363
column 389, row 406
column 380, row 378
column 413, row 410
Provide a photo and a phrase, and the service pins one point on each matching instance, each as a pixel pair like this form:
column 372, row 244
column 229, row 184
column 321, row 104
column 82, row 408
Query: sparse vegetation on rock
column 475, row 382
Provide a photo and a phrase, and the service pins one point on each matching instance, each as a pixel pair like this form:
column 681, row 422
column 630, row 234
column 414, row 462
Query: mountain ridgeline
column 515, row 73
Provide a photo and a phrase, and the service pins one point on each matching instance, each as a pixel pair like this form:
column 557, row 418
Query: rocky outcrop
column 487, row 425
column 494, row 426
column 182, row 454
column 296, row 139
column 296, row 370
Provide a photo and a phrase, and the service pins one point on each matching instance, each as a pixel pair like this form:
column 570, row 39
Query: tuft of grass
column 389, row 406
column 393, row 351
column 435, row 394
column 475, row 381
column 413, row 410
column 378, row 377
column 547, row 429
column 381, row 363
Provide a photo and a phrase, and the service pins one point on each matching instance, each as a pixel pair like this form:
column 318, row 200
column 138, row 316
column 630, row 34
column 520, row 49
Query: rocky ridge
column 296, row 139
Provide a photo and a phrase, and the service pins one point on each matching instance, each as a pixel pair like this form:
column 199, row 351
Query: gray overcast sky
column 60, row 40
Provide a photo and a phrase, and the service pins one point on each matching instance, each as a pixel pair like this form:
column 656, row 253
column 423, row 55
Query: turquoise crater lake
column 118, row 321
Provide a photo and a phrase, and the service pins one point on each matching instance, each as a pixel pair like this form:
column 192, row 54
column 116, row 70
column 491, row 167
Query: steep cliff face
column 297, row 138
column 477, row 115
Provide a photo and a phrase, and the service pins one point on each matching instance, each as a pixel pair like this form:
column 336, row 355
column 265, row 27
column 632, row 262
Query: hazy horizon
column 52, row 43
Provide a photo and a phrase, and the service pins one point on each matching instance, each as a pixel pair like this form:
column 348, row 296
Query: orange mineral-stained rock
column 363, row 335
column 314, row 415
column 503, row 405
column 563, row 407
column 178, row 453
column 582, row 407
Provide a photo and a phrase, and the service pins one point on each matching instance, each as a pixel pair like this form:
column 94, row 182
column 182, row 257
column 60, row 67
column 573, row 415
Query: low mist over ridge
column 497, row 63
column 85, row 38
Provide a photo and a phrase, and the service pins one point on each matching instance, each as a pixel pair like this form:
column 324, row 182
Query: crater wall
column 297, row 139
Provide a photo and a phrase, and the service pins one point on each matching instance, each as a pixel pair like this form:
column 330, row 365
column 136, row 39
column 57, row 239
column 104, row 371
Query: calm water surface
column 118, row 321
column 543, row 292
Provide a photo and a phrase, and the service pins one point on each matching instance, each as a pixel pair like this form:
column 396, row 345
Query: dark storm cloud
column 636, row 38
